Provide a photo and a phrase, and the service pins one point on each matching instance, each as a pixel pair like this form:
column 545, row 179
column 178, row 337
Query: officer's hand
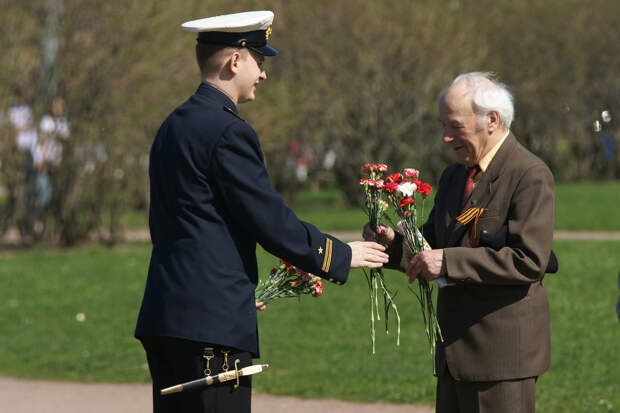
column 260, row 306
column 367, row 254
column 384, row 235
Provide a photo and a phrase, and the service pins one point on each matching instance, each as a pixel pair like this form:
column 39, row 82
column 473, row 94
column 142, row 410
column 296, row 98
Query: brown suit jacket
column 495, row 321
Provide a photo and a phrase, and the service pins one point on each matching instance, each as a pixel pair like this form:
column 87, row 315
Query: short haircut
column 210, row 57
column 488, row 95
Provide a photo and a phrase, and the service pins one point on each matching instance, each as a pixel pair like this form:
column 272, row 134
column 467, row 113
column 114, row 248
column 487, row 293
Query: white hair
column 488, row 95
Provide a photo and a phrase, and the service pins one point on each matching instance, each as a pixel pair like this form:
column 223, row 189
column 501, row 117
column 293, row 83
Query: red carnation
column 406, row 201
column 397, row 177
column 317, row 288
column 379, row 184
column 411, row 173
column 382, row 168
column 424, row 188
column 368, row 168
column 390, row 186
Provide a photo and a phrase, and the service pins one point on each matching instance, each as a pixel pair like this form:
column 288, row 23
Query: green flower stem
column 374, row 275
column 393, row 305
column 372, row 312
column 376, row 281
column 429, row 316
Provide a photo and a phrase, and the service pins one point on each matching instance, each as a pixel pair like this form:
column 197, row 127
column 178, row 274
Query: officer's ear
column 233, row 64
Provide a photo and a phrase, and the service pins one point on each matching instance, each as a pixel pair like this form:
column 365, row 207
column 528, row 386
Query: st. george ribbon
column 210, row 380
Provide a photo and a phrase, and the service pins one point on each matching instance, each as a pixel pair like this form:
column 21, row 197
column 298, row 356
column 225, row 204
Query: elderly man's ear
column 493, row 122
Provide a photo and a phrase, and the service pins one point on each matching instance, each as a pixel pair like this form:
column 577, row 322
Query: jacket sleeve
column 528, row 244
column 239, row 173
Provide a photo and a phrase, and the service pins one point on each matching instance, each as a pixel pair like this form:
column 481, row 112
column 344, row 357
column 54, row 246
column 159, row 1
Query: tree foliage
column 360, row 78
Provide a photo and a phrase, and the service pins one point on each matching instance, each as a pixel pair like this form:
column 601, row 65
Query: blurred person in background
column 20, row 117
column 26, row 137
column 47, row 154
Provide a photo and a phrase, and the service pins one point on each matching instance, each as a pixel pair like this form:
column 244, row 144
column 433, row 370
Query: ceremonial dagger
column 209, row 380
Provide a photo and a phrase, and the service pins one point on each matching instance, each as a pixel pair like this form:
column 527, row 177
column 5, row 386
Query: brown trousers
column 511, row 396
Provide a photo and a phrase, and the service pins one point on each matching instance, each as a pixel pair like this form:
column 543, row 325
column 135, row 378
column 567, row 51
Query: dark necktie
column 469, row 185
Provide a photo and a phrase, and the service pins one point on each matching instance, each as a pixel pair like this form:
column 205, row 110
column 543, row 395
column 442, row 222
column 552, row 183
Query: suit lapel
column 484, row 190
column 453, row 201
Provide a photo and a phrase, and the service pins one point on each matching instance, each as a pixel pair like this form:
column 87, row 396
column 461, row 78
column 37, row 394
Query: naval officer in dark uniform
column 211, row 203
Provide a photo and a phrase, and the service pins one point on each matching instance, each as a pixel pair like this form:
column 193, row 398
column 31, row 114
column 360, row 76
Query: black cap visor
column 265, row 50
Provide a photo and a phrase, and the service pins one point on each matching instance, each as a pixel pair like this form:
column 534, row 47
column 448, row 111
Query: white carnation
column 407, row 188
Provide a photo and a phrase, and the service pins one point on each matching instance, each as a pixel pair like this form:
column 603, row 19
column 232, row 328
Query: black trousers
column 174, row 361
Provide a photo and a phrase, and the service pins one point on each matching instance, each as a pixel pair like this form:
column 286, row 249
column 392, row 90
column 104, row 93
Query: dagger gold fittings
column 173, row 389
column 210, row 380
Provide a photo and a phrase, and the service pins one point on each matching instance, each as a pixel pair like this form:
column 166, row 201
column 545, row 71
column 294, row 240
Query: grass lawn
column 316, row 347
column 588, row 206
column 579, row 206
column 330, row 212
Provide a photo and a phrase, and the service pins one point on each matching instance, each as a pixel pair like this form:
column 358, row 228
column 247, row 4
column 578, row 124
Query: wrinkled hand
column 367, row 254
column 260, row 306
column 384, row 235
column 429, row 264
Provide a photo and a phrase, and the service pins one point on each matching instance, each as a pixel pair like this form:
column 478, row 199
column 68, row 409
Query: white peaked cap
column 232, row 23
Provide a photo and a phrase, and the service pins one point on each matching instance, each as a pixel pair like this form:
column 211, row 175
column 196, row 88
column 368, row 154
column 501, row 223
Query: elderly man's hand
column 430, row 264
column 367, row 254
column 384, row 235
column 260, row 306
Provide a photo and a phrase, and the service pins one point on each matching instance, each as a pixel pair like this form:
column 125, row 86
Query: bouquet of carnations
column 287, row 281
column 402, row 189
column 375, row 207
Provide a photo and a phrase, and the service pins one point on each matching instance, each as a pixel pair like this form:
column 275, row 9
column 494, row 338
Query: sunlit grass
column 317, row 347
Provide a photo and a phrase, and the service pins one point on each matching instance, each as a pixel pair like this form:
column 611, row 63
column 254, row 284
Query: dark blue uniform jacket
column 211, row 203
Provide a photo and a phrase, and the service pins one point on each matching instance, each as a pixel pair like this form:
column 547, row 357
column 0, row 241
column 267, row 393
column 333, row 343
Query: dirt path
column 143, row 235
column 26, row 396
column 11, row 237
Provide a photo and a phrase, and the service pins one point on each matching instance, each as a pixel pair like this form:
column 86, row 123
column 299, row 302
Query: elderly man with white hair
column 491, row 230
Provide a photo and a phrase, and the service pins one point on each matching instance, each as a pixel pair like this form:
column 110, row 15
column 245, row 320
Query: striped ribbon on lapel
column 472, row 214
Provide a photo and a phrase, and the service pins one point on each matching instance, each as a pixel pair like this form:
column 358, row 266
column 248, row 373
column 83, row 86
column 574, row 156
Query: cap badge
column 267, row 33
